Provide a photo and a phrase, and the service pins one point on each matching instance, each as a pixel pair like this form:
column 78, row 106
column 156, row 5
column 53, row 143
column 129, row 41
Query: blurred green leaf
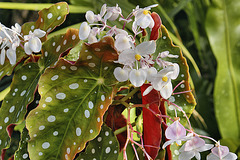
column 222, row 26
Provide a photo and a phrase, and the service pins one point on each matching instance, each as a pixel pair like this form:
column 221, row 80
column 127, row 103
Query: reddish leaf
column 155, row 29
column 116, row 120
column 152, row 132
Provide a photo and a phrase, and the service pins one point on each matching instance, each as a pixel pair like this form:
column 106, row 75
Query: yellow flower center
column 165, row 78
column 145, row 12
column 138, row 57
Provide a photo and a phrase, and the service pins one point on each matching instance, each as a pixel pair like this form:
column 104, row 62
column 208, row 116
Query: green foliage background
column 208, row 33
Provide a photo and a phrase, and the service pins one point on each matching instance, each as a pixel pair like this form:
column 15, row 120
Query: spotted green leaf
column 55, row 46
column 7, row 68
column 22, row 152
column 14, row 105
column 48, row 19
column 74, row 98
column 104, row 147
column 186, row 100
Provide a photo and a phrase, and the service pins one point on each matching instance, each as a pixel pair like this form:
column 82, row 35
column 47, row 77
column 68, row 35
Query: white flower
column 33, row 43
column 9, row 40
column 143, row 18
column 221, row 153
column 112, row 13
column 129, row 56
column 192, row 148
column 162, row 81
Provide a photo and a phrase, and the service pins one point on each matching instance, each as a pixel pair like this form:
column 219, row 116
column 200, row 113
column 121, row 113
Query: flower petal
column 167, row 90
column 194, row 143
column 148, row 90
column 224, row 150
column 27, row 49
column 137, row 77
column 127, row 57
column 84, row 31
column 175, row 131
column 11, row 54
column 90, row 16
column 230, row 156
column 151, row 72
column 211, row 156
column 146, row 48
column 39, row 33
column 122, row 42
column 186, row 155
column 120, row 74
column 2, row 58
column 35, row 44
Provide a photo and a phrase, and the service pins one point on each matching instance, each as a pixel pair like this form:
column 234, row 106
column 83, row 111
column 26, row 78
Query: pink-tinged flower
column 162, row 80
column 192, row 148
column 175, row 133
column 163, row 63
column 112, row 13
column 221, row 153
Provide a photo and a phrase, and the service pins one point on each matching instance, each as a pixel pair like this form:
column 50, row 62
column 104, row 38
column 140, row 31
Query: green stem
column 130, row 94
column 120, row 130
column 40, row 6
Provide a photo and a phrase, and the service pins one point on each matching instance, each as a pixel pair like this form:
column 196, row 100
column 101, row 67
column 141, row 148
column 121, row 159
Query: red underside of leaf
column 152, row 132
column 3, row 153
column 155, row 30
column 116, row 120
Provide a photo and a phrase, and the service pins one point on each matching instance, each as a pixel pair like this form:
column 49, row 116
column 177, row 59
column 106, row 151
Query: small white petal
column 148, row 90
column 90, row 16
column 120, row 74
column 151, row 72
column 39, row 33
column 27, row 49
column 122, row 42
column 3, row 55
column 11, row 54
column 138, row 77
column 103, row 10
column 35, row 44
column 146, row 48
column 166, row 91
column 84, row 31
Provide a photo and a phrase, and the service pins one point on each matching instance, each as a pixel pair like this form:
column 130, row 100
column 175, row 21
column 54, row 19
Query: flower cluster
column 10, row 39
column 137, row 60
column 195, row 144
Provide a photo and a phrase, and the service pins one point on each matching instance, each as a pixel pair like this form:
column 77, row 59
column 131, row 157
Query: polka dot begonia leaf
column 104, row 147
column 7, row 68
column 15, row 103
column 185, row 100
column 55, row 46
column 74, row 98
column 22, row 152
column 48, row 19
